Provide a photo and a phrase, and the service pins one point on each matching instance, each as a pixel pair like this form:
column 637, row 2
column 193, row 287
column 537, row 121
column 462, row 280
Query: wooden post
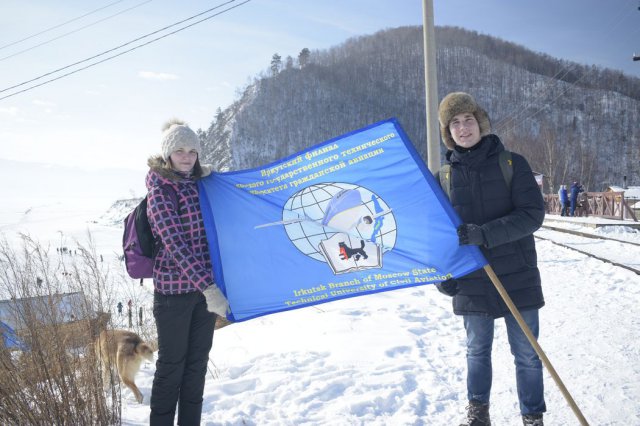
column 527, row 331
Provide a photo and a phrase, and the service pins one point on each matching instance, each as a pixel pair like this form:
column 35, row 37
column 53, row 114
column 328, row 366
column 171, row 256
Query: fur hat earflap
column 458, row 103
column 176, row 134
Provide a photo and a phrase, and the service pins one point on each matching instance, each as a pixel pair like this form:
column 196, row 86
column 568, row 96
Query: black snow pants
column 185, row 334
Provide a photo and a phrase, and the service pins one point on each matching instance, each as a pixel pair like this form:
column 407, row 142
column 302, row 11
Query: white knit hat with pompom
column 175, row 135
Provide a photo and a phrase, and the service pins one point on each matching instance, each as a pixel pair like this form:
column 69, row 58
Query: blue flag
column 354, row 215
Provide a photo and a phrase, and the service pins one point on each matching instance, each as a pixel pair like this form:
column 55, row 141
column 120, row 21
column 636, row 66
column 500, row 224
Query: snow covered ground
column 394, row 358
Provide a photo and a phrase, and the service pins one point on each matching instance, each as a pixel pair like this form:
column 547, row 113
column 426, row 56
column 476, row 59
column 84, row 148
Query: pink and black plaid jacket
column 183, row 264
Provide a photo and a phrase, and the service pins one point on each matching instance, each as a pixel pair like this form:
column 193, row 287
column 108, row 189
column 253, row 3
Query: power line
column 115, row 48
column 121, row 53
column 542, row 93
column 565, row 70
column 60, row 25
column 119, row 47
column 74, row 31
column 636, row 57
column 507, row 124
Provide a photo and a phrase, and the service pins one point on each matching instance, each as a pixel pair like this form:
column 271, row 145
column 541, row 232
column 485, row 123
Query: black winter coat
column 480, row 195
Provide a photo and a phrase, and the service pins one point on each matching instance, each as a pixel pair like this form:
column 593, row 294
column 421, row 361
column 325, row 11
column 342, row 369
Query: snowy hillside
column 118, row 211
column 550, row 110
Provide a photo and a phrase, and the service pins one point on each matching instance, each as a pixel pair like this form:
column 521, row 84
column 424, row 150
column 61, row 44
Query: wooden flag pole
column 527, row 331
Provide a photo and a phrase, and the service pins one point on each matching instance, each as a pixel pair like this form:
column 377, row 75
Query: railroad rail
column 587, row 235
column 582, row 234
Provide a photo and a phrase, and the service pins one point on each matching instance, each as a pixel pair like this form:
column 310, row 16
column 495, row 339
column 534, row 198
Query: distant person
column 563, row 197
column 186, row 298
column 120, row 308
column 501, row 221
column 575, row 189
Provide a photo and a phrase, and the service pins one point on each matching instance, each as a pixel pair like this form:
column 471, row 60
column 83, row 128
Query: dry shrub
column 57, row 308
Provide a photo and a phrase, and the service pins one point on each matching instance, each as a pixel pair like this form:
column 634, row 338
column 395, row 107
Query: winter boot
column 532, row 420
column 477, row 414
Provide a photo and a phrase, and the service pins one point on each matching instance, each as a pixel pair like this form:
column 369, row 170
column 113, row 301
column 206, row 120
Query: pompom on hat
column 175, row 135
column 458, row 103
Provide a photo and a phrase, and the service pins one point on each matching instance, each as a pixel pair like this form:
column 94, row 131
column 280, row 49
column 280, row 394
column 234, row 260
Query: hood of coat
column 160, row 174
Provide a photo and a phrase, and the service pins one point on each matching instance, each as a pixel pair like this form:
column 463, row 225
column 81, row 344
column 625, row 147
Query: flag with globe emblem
column 354, row 215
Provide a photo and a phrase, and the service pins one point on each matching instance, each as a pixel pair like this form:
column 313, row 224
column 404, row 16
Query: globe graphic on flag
column 316, row 202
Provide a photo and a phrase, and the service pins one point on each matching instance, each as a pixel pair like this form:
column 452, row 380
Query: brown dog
column 122, row 351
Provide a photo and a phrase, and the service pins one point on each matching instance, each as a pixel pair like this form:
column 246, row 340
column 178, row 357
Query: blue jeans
column 528, row 365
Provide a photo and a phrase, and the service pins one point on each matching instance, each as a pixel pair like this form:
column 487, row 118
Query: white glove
column 206, row 169
column 216, row 302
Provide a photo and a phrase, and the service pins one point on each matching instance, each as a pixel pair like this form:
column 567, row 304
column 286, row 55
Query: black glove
column 448, row 287
column 470, row 235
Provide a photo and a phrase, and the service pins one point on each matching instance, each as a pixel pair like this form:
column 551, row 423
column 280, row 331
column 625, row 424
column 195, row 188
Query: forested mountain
column 573, row 122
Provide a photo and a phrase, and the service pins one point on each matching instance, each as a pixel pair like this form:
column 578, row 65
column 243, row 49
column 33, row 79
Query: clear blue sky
column 110, row 115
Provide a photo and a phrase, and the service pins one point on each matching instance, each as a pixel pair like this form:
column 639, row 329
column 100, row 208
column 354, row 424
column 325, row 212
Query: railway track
column 587, row 235
column 591, row 236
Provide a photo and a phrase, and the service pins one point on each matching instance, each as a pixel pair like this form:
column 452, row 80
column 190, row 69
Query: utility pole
column 431, row 87
column 636, row 57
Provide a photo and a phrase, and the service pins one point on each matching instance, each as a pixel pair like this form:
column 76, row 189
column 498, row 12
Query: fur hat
column 458, row 103
column 175, row 135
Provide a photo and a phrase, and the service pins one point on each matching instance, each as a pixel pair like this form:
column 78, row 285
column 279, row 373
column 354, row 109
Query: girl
column 186, row 299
